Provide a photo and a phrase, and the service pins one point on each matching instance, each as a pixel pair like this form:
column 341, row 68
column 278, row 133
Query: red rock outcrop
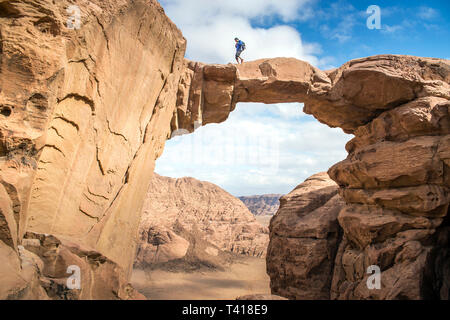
column 84, row 112
column 190, row 217
column 304, row 236
column 395, row 181
column 262, row 205
column 348, row 97
column 44, row 265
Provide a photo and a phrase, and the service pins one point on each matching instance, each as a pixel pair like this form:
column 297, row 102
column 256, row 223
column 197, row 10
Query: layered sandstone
column 304, row 236
column 348, row 97
column 262, row 205
column 395, row 181
column 85, row 112
column 192, row 219
column 83, row 115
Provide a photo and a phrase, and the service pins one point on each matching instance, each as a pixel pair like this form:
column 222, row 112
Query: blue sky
column 272, row 148
column 420, row 28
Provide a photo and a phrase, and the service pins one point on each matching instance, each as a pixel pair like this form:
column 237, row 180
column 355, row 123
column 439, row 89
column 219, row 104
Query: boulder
column 304, row 238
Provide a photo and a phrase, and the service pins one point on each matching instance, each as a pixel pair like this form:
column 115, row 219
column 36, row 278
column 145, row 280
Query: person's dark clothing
column 239, row 48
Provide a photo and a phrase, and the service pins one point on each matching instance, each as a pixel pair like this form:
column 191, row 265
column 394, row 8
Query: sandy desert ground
column 247, row 276
column 264, row 220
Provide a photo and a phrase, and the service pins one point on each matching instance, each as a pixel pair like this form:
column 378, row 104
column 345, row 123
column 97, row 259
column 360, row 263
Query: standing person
column 240, row 46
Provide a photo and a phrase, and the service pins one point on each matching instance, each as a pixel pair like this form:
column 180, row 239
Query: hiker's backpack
column 243, row 46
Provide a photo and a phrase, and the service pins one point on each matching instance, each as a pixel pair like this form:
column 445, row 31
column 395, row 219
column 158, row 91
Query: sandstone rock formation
column 395, row 181
column 190, row 217
column 84, row 113
column 304, row 236
column 262, row 205
column 348, row 97
column 44, row 265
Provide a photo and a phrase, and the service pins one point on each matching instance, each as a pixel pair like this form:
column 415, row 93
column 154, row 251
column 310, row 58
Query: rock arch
column 118, row 87
column 395, row 180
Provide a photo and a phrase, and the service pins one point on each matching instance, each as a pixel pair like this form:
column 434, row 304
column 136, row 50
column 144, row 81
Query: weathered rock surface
column 348, row 97
column 396, row 185
column 83, row 115
column 45, row 264
column 100, row 278
column 262, row 205
column 395, row 181
column 20, row 280
column 304, row 236
column 195, row 219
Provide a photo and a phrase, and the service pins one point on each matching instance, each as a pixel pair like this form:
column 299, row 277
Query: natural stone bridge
column 348, row 97
column 395, row 181
column 85, row 113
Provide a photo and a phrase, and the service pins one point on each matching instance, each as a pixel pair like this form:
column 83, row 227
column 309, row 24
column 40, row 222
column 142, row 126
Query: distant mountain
column 195, row 221
column 262, row 205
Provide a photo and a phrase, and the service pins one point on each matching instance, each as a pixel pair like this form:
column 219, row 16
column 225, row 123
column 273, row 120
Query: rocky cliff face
column 349, row 97
column 304, row 236
column 83, row 115
column 395, row 181
column 309, row 259
column 262, row 205
column 196, row 220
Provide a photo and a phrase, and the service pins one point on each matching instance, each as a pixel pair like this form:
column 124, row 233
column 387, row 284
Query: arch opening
column 201, row 201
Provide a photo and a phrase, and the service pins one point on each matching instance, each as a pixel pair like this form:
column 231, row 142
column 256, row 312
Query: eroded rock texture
column 304, row 236
column 395, row 181
column 262, row 205
column 348, row 97
column 83, row 115
column 396, row 185
column 195, row 220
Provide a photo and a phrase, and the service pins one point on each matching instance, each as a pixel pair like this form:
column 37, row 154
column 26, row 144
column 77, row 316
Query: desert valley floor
column 247, row 276
column 244, row 276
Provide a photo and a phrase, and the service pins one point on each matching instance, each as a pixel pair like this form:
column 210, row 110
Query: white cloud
column 339, row 20
column 259, row 149
column 211, row 26
column 197, row 11
column 392, row 29
column 427, row 13
column 343, row 31
column 409, row 20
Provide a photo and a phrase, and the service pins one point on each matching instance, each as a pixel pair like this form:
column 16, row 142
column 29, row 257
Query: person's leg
column 238, row 56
